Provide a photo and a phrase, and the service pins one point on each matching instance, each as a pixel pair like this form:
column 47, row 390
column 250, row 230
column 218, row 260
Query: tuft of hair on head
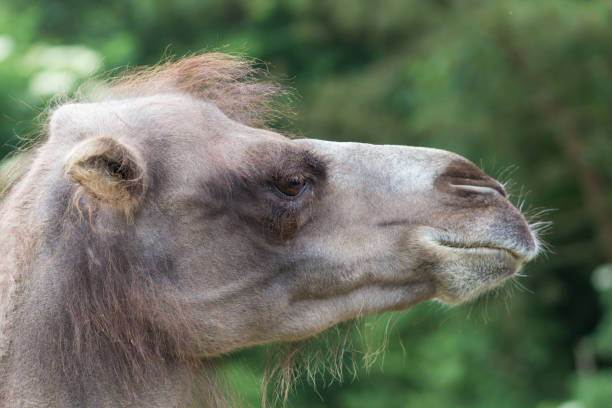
column 108, row 171
column 238, row 86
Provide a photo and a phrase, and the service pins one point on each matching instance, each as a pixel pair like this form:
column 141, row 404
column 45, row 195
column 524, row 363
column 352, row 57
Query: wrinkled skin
column 364, row 229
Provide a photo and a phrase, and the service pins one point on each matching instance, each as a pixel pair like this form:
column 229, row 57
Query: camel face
column 264, row 238
column 429, row 221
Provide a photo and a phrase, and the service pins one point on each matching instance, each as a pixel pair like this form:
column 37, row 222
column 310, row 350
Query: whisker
column 522, row 287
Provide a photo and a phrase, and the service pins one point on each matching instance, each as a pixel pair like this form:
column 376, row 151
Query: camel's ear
column 109, row 171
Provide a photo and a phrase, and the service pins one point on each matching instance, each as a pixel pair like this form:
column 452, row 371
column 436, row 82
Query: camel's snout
column 442, row 217
column 482, row 215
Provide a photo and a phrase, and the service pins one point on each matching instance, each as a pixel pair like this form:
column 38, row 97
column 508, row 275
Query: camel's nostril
column 464, row 176
column 492, row 187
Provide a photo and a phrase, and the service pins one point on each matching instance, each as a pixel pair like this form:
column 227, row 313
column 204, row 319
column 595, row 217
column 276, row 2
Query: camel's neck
column 36, row 371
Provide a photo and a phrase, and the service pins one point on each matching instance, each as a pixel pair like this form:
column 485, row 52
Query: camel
column 163, row 225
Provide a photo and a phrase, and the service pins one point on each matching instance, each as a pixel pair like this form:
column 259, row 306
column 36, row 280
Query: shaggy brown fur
column 231, row 83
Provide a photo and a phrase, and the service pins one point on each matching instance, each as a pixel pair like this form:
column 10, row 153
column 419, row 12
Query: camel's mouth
column 522, row 251
column 481, row 248
column 484, row 259
column 465, row 268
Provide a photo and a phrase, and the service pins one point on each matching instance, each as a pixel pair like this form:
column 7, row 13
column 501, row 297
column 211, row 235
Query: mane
column 239, row 87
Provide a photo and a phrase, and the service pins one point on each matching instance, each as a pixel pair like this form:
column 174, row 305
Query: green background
column 522, row 88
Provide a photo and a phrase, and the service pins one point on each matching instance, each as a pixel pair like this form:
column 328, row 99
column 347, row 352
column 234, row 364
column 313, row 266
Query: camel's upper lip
column 474, row 246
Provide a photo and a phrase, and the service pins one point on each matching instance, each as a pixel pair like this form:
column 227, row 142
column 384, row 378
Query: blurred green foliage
column 522, row 88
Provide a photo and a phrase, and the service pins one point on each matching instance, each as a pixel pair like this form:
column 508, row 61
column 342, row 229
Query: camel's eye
column 291, row 186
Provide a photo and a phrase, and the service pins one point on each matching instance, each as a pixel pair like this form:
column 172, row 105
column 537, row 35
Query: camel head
column 161, row 226
column 256, row 237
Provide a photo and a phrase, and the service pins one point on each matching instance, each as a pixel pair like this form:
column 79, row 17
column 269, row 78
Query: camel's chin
column 464, row 272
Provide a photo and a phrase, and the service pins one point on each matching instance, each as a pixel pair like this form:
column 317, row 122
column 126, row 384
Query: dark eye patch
column 270, row 193
column 294, row 175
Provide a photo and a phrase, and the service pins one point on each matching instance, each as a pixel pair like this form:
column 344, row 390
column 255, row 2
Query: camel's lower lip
column 465, row 268
column 489, row 260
